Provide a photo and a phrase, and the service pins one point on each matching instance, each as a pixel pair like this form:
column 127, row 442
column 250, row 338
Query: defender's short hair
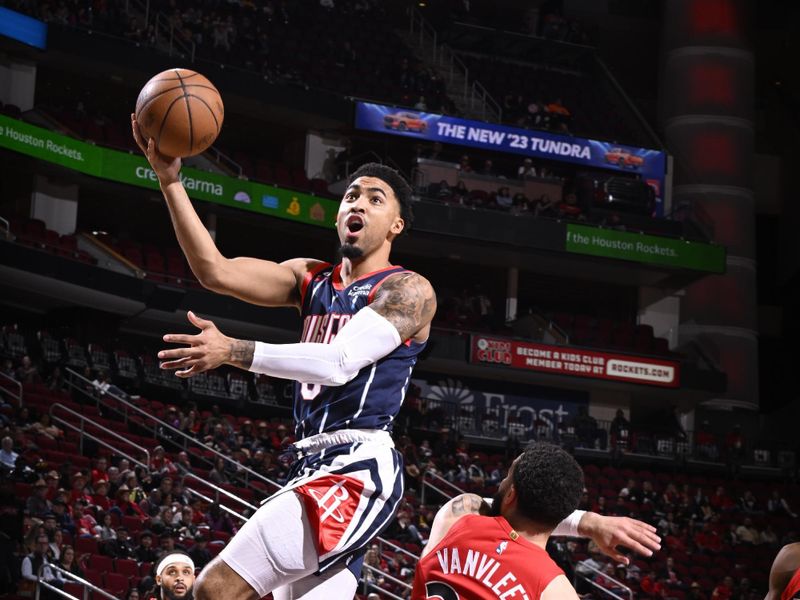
column 396, row 181
column 549, row 484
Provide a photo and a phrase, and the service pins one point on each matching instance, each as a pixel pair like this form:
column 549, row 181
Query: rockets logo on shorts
column 331, row 502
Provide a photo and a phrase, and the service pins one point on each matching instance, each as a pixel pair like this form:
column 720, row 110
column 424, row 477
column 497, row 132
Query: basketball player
column 365, row 322
column 784, row 577
column 175, row 577
column 484, row 552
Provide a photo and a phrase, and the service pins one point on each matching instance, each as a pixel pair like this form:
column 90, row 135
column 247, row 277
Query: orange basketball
column 181, row 110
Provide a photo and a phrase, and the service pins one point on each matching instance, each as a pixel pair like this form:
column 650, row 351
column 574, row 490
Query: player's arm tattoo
column 407, row 301
column 466, row 504
column 242, row 352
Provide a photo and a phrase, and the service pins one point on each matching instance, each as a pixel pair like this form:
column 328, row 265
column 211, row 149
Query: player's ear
column 158, row 579
column 397, row 226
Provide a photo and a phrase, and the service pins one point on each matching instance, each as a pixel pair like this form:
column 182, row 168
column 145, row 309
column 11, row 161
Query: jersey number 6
column 438, row 589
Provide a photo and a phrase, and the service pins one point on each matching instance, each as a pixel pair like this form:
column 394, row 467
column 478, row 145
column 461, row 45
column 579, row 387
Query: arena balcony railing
column 605, row 592
column 161, row 429
column 74, row 583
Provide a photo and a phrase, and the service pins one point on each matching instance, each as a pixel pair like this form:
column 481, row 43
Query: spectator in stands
column 465, row 165
column 183, row 464
column 56, row 382
column 63, row 519
column 126, row 506
column 631, row 493
column 526, row 170
column 218, row 520
column 403, row 530
column 100, row 497
column 748, row 534
column 38, row 560
column 769, row 537
column 68, row 561
column 545, row 207
column 44, row 427
column 504, row 199
column 8, row 458
column 724, row 589
column 121, row 546
column 749, row 504
column 218, row 474
column 488, row 168
column 28, row 372
column 78, row 489
column 190, row 424
column 475, row 473
column 777, row 505
column 160, row 464
column 183, row 522
column 144, row 551
column 720, row 501
column 199, row 551
column 104, row 530
column 84, row 521
column 37, row 504
column 586, row 428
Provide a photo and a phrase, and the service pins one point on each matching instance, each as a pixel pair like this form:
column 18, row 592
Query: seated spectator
column 527, row 170
column 488, row 168
column 776, row 505
column 44, row 427
column 460, row 193
column 503, row 198
column 545, row 207
column 28, row 372
column 69, row 562
column 769, row 537
column 706, row 442
column 183, row 464
column 104, row 530
column 720, row 501
column 724, row 590
column 403, row 530
column 37, row 504
column 465, row 165
column 475, row 473
column 695, row 593
column 126, row 506
column 144, row 551
column 84, row 521
column 569, row 207
column 39, row 561
column 63, row 519
column 199, row 552
column 218, row 474
column 100, row 497
column 8, row 458
column 121, row 546
column 218, row 520
column 160, row 464
column 748, row 534
column 749, row 504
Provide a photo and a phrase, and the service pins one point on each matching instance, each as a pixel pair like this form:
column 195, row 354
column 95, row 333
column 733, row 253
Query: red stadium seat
column 129, row 568
column 86, row 545
column 101, row 563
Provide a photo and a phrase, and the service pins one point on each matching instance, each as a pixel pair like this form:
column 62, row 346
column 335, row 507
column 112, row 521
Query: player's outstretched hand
column 205, row 351
column 166, row 168
column 610, row 532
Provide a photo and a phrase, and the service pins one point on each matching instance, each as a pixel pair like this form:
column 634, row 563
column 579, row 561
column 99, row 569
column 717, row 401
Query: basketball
column 181, row 110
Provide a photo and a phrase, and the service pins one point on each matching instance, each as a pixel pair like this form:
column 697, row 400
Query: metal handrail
column 210, row 500
column 584, row 564
column 69, row 575
column 219, row 490
column 385, row 575
column 384, row 542
column 6, row 228
column 225, row 161
column 84, row 419
column 17, row 396
column 159, row 424
column 448, row 495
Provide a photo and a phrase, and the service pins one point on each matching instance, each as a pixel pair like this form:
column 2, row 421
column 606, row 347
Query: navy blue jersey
column 372, row 399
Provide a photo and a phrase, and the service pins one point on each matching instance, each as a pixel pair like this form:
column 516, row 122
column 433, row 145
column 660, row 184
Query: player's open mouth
column 354, row 224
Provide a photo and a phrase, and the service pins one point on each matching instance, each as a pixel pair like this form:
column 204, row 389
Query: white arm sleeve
column 569, row 526
column 365, row 339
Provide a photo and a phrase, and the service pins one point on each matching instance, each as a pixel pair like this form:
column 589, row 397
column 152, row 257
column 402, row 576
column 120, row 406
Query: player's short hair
column 549, row 484
column 396, row 181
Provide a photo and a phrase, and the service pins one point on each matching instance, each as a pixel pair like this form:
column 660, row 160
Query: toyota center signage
column 564, row 360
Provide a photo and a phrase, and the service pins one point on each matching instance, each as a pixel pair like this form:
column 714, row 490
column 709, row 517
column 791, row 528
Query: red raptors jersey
column 793, row 589
column 483, row 558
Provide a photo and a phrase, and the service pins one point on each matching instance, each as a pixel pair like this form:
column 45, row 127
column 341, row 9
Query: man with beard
column 482, row 552
column 174, row 577
column 365, row 321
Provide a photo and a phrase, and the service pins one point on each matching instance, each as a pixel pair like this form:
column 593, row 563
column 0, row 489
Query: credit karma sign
column 651, row 249
column 565, row 360
column 134, row 169
column 650, row 164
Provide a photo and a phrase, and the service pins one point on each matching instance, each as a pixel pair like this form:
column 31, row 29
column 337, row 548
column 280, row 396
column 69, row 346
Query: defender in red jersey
column 482, row 552
column 784, row 577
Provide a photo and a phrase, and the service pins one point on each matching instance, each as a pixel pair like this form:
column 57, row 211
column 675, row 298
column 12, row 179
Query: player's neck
column 352, row 269
column 529, row 531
